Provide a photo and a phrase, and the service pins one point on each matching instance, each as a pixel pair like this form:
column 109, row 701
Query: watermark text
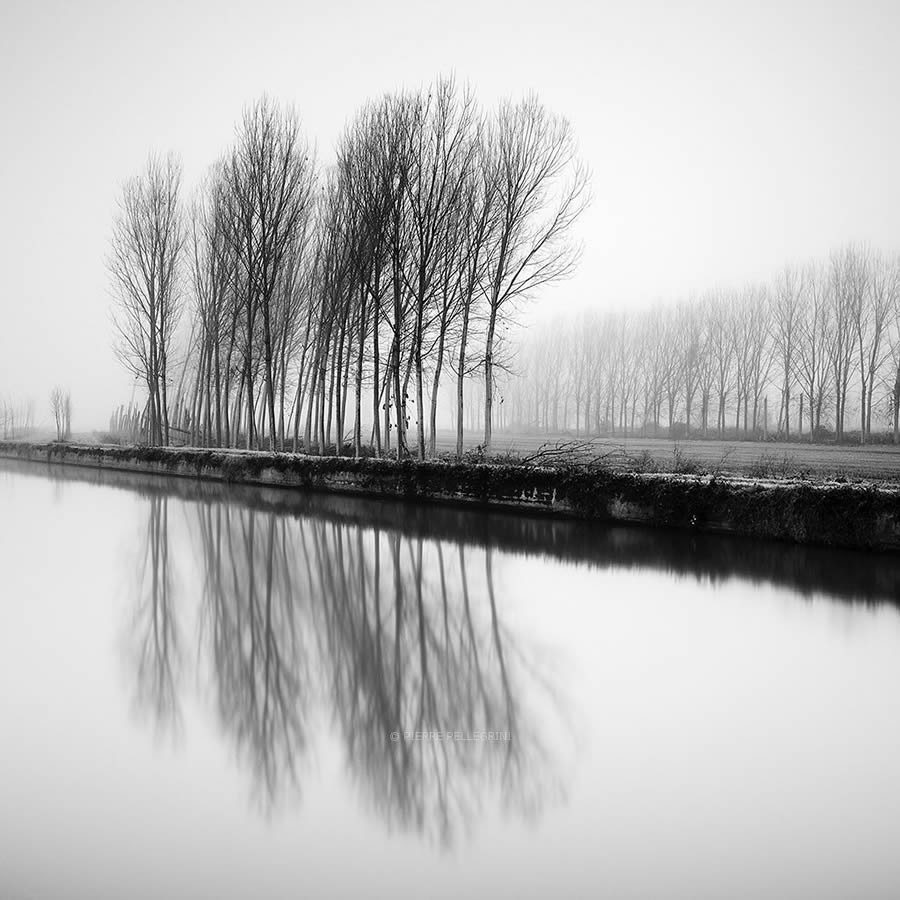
column 482, row 736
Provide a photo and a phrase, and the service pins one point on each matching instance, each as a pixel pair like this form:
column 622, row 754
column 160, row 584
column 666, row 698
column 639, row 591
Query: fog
column 722, row 142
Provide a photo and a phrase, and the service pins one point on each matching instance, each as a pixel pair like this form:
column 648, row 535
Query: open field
column 872, row 461
column 880, row 462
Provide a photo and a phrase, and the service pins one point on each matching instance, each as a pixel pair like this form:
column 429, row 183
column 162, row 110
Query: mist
column 722, row 143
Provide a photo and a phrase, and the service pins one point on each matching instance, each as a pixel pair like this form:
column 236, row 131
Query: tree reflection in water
column 411, row 651
column 391, row 636
column 155, row 644
column 250, row 619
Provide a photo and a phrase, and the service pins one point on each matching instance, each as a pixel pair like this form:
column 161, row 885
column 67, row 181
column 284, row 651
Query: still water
column 226, row 692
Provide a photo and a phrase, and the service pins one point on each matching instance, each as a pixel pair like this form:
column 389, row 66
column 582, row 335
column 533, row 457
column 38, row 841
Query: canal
column 215, row 691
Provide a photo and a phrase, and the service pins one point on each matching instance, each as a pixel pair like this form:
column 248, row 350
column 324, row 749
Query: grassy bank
column 846, row 514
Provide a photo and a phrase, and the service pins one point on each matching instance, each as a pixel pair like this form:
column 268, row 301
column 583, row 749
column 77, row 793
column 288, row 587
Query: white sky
column 724, row 139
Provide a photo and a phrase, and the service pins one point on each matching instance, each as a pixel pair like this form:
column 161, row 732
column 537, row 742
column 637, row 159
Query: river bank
column 842, row 514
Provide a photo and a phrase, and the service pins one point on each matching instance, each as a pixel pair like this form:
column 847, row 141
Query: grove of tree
column 326, row 306
column 815, row 354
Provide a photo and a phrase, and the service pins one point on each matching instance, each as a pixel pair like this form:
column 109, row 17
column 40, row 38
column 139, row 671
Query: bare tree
column 270, row 176
column 873, row 302
column 215, row 319
column 143, row 265
column 58, row 408
column 894, row 345
column 846, row 285
column 541, row 189
column 16, row 418
column 477, row 204
column 810, row 330
column 429, row 226
column 786, row 309
column 811, row 363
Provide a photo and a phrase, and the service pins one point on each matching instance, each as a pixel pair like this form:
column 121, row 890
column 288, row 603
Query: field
column 880, row 462
column 876, row 462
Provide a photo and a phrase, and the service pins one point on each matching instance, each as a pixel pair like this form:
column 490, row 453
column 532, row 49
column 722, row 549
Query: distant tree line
column 795, row 357
column 328, row 305
column 16, row 418
column 129, row 423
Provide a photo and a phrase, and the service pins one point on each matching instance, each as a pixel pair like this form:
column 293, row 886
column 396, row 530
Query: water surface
column 229, row 692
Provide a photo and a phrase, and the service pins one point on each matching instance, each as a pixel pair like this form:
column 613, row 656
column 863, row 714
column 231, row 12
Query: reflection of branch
column 408, row 639
column 155, row 628
column 256, row 646
column 426, row 666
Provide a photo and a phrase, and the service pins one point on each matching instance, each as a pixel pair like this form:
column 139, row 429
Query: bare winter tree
column 215, row 312
column 540, row 191
column 478, row 198
column 270, row 177
column 804, row 337
column 61, row 408
column 893, row 380
column 873, row 304
column 16, row 418
column 440, row 126
column 787, row 309
column 143, row 265
column 812, row 347
column 846, row 276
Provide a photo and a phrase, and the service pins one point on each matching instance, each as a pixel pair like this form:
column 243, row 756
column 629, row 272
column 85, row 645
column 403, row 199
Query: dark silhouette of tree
column 144, row 269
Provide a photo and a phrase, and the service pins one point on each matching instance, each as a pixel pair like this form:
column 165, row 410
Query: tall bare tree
column 787, row 309
column 270, row 175
column 61, row 409
column 540, row 190
column 144, row 267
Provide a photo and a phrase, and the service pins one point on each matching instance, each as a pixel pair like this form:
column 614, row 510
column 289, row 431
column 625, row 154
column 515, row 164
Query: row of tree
column 326, row 303
column 16, row 418
column 821, row 340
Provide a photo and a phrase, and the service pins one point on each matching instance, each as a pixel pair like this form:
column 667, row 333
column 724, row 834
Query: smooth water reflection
column 214, row 691
column 392, row 637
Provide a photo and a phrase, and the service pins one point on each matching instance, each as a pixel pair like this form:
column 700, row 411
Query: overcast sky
column 724, row 139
